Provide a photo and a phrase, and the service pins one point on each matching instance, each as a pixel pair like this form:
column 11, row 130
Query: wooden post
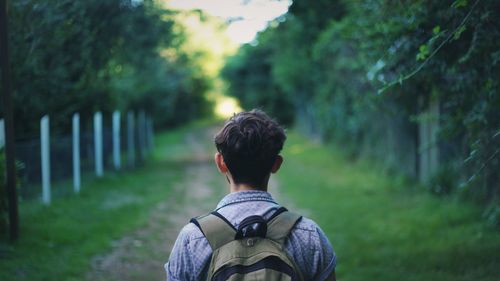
column 98, row 144
column 9, row 124
column 45, row 158
column 130, row 139
column 116, row 140
column 76, row 153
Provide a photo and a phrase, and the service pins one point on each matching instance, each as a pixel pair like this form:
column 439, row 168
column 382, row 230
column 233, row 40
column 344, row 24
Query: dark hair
column 250, row 142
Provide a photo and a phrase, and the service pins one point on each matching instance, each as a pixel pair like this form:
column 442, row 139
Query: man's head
column 249, row 144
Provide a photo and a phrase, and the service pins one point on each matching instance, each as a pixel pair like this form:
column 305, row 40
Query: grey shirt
column 307, row 244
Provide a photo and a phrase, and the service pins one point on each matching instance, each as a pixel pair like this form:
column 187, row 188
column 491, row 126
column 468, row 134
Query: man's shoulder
column 190, row 232
column 307, row 224
column 311, row 250
column 189, row 256
column 308, row 228
column 308, row 233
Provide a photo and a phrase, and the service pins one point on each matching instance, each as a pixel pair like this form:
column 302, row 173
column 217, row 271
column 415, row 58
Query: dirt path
column 142, row 254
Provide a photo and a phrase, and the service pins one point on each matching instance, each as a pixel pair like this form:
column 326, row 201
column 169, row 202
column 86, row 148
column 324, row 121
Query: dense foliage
column 83, row 56
column 365, row 73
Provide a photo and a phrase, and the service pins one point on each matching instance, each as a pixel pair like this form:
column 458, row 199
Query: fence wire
column 28, row 157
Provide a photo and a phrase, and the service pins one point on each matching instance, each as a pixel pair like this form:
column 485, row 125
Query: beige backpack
column 254, row 251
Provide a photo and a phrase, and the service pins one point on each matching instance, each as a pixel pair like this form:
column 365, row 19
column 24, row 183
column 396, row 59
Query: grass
column 58, row 241
column 383, row 228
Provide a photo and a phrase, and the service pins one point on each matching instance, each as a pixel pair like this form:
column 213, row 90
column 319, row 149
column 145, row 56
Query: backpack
column 254, row 251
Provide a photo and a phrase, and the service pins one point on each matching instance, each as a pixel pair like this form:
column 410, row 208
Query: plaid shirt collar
column 245, row 196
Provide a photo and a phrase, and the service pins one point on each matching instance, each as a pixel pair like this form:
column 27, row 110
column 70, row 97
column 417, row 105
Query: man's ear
column 219, row 161
column 277, row 164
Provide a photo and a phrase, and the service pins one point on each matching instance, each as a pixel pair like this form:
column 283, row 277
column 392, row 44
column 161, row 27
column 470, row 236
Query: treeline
column 412, row 84
column 83, row 56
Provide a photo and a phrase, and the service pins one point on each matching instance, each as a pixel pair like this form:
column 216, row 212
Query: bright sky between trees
column 245, row 17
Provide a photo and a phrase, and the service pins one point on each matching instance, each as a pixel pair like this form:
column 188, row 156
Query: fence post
column 428, row 140
column 45, row 158
column 150, row 134
column 423, row 141
column 433, row 136
column 76, row 153
column 130, row 139
column 2, row 133
column 10, row 162
column 98, row 144
column 145, row 145
column 116, row 140
column 141, row 132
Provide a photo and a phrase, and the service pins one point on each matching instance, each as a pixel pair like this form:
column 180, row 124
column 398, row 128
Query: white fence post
column 76, row 153
column 130, row 139
column 45, row 158
column 141, row 131
column 428, row 142
column 98, row 144
column 116, row 140
column 2, row 133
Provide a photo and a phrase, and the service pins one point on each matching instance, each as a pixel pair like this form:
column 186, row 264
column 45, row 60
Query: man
column 248, row 148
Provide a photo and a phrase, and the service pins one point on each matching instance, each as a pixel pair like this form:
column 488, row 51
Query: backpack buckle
column 253, row 226
column 249, row 242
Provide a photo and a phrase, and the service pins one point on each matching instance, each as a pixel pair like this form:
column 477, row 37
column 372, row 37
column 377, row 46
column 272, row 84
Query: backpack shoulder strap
column 280, row 225
column 216, row 228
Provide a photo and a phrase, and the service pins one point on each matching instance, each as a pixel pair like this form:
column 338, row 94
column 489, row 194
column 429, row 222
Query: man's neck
column 245, row 187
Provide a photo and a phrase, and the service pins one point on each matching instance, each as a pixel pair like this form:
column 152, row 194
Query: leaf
column 459, row 3
column 459, row 32
column 436, row 30
column 423, row 52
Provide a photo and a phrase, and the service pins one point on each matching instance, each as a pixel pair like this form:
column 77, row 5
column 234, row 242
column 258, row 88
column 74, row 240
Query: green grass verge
column 58, row 241
column 383, row 228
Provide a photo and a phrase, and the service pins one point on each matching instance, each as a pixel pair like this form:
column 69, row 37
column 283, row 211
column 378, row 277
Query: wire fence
column 135, row 141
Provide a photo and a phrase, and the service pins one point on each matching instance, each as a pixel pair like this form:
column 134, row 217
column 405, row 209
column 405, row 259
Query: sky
column 245, row 17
